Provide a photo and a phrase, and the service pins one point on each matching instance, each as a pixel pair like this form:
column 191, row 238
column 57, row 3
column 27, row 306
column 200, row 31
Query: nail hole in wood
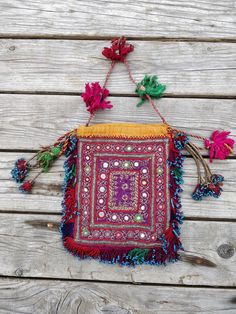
column 226, row 251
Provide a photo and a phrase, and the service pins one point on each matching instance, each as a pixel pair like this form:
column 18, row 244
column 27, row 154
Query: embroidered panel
column 123, row 195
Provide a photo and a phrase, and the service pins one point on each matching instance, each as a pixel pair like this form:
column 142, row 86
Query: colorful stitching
column 128, row 255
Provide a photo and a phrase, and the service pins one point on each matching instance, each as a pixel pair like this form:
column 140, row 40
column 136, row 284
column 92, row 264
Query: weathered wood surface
column 28, row 247
column 57, row 297
column 108, row 18
column 46, row 196
column 191, row 47
column 188, row 68
column 28, row 121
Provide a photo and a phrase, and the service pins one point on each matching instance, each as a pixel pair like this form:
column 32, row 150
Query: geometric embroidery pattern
column 123, row 195
column 123, row 190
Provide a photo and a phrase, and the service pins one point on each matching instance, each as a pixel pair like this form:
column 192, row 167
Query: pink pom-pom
column 94, row 97
column 219, row 145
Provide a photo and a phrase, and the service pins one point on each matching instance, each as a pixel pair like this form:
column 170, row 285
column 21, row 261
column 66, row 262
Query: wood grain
column 187, row 68
column 46, row 196
column 44, row 296
column 28, row 121
column 110, row 18
column 57, row 48
column 34, row 250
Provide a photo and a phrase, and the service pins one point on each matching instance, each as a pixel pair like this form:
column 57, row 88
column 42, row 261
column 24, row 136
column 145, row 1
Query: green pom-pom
column 46, row 158
column 149, row 86
column 138, row 254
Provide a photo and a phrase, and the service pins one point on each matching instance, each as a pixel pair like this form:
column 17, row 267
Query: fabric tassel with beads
column 220, row 146
column 41, row 161
column 209, row 184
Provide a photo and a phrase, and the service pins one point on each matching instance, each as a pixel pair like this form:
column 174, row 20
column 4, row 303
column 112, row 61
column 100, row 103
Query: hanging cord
column 199, row 160
column 135, row 83
column 157, row 111
column 155, row 108
column 112, row 64
column 89, row 119
column 187, row 133
column 109, row 73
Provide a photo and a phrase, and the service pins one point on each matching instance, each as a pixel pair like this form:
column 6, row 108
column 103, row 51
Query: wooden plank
column 28, row 248
column 187, row 68
column 106, row 18
column 34, row 120
column 44, row 296
column 46, row 196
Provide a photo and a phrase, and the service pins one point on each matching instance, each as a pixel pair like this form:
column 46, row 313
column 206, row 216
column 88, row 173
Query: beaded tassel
column 42, row 160
column 208, row 184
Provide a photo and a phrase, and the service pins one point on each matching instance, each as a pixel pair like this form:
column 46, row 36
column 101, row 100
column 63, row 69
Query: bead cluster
column 212, row 188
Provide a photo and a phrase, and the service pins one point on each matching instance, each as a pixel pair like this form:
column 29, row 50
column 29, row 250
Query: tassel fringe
column 42, row 160
column 208, row 184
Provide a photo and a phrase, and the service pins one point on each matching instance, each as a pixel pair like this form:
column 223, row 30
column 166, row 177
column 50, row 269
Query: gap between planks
column 166, row 95
column 140, row 38
column 117, row 282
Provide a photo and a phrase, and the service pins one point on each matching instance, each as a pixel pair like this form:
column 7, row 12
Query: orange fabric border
column 129, row 130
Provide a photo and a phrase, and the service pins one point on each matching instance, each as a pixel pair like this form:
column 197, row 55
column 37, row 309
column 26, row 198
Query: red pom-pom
column 219, row 145
column 20, row 170
column 26, row 187
column 118, row 50
column 94, row 97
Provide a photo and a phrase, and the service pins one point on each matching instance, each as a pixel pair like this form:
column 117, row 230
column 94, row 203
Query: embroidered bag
column 122, row 181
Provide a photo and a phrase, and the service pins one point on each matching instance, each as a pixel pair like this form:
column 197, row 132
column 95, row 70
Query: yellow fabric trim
column 132, row 130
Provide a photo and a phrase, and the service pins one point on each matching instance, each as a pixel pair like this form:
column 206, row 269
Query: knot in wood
column 19, row 272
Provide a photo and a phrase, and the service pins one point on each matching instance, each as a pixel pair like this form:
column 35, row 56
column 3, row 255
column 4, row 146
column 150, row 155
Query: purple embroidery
column 124, row 190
